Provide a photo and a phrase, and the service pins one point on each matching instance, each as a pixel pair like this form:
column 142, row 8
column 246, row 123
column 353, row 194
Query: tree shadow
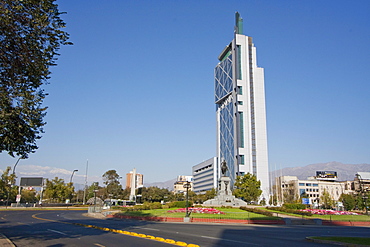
column 58, row 233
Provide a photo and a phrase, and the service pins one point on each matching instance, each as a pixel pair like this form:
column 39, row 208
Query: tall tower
column 240, row 110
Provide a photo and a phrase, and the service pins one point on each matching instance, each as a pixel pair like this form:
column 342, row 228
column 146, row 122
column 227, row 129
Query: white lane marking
column 145, row 228
column 57, row 232
column 100, row 245
column 229, row 240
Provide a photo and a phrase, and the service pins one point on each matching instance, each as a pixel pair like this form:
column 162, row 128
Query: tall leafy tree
column 8, row 192
column 56, row 190
column 326, row 201
column 247, row 187
column 30, row 36
column 113, row 186
column 348, row 200
column 155, row 194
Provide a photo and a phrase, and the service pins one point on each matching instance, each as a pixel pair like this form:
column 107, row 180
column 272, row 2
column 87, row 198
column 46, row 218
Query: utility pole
column 84, row 199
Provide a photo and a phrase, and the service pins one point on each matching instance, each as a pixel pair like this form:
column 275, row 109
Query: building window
column 239, row 56
column 241, row 160
column 240, row 90
column 301, row 184
column 241, row 129
column 240, row 102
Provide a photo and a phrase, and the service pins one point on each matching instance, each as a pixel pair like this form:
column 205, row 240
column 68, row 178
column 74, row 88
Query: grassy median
column 230, row 213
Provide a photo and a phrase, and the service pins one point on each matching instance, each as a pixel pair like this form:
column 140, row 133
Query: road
column 59, row 228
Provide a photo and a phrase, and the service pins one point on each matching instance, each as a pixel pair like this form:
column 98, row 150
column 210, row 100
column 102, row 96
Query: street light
column 72, row 176
column 10, row 182
column 187, row 186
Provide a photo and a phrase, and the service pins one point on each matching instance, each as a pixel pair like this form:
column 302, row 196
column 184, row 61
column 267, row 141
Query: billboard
column 31, row 181
column 326, row 175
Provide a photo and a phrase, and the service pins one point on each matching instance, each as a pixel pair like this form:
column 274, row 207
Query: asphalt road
column 59, row 228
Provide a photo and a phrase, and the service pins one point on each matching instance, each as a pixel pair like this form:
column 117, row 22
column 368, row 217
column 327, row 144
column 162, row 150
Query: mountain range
column 344, row 171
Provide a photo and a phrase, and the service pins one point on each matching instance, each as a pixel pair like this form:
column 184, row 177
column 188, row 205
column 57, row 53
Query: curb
column 5, row 242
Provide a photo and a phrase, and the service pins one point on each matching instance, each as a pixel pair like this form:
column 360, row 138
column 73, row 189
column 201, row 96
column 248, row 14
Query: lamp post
column 10, row 182
column 187, row 186
column 70, row 181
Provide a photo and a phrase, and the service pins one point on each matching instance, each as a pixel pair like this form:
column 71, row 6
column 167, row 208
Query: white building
column 240, row 104
column 291, row 188
column 179, row 187
column 205, row 175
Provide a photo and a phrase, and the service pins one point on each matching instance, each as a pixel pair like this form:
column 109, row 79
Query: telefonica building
column 240, row 111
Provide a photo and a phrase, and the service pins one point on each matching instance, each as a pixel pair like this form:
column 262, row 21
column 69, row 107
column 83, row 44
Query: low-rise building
column 178, row 186
column 205, row 175
column 290, row 188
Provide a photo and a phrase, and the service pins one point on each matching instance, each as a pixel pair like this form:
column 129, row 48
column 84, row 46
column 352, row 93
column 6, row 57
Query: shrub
column 294, row 206
column 257, row 211
column 291, row 211
column 179, row 204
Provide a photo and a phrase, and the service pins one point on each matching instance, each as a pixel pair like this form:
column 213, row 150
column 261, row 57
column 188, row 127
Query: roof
column 364, row 175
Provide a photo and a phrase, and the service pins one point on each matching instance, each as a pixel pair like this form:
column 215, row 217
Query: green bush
column 294, row 206
column 257, row 211
column 290, row 211
column 179, row 204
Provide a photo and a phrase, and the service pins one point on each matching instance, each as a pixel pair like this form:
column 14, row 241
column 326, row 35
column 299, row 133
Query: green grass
column 350, row 240
column 231, row 213
column 327, row 217
column 341, row 217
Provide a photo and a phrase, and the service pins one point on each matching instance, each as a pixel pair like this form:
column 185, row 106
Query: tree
column 348, row 200
column 113, row 186
column 155, row 194
column 326, row 200
column 28, row 196
column 8, row 192
column 247, row 187
column 30, row 36
column 58, row 191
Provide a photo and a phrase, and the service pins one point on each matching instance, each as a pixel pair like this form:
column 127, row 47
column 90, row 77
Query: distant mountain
column 163, row 185
column 344, row 171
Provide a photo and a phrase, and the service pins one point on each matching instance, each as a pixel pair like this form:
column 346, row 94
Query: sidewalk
column 5, row 242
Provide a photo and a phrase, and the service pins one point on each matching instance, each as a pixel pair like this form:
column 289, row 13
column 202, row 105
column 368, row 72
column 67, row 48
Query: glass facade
column 223, row 90
column 223, row 78
column 227, row 138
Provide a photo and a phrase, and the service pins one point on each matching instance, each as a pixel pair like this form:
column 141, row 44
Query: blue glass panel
column 223, row 78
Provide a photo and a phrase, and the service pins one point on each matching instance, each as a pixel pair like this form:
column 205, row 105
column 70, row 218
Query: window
column 240, row 102
column 241, row 159
column 308, row 184
column 240, row 90
column 241, row 129
column 239, row 56
column 301, row 184
column 315, row 185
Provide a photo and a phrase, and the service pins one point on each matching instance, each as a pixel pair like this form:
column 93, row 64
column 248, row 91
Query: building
column 290, row 188
column 205, row 175
column 362, row 181
column 178, row 186
column 240, row 110
column 139, row 179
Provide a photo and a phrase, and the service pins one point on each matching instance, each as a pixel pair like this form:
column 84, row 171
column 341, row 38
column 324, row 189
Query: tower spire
column 238, row 24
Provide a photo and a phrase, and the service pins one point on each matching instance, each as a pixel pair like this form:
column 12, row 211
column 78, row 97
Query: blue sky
column 136, row 88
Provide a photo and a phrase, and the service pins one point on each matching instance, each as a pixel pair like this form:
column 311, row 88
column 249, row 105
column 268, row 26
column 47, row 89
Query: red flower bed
column 197, row 210
column 327, row 212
